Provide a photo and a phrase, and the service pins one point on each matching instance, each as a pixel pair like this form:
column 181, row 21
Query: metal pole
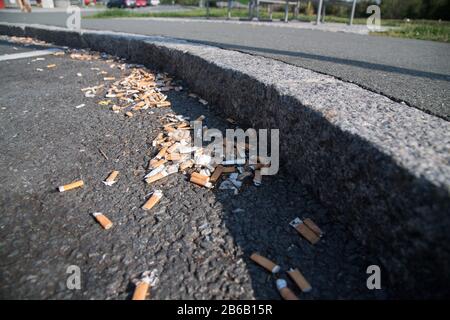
column 229, row 9
column 207, row 9
column 323, row 11
column 257, row 10
column 319, row 10
column 297, row 10
column 286, row 11
column 353, row 12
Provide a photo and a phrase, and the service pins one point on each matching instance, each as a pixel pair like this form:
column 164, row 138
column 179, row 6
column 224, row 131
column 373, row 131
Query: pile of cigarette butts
column 175, row 152
column 26, row 41
column 138, row 91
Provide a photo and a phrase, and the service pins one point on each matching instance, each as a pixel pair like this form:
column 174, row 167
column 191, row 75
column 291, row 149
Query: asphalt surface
column 414, row 71
column 196, row 238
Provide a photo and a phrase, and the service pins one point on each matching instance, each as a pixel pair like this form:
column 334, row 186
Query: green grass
column 418, row 29
column 423, row 30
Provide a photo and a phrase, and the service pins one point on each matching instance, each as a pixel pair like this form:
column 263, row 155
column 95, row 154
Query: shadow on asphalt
column 349, row 62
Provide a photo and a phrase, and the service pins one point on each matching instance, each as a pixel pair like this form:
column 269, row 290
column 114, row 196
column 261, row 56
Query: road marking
column 30, row 54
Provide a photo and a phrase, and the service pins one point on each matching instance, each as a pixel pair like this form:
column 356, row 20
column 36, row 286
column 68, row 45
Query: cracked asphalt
column 196, row 238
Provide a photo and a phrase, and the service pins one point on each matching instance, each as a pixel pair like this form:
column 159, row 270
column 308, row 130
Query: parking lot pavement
column 196, row 238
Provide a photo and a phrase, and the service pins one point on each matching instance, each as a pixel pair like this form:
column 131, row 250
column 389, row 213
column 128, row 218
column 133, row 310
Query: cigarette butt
column 156, row 177
column 229, row 169
column 183, row 125
column 306, row 232
column 141, row 290
column 51, row 66
column 70, row 186
column 111, row 178
column 203, row 101
column 109, row 78
column 313, row 227
column 103, row 220
column 154, row 199
column 285, row 292
column 163, row 104
column 216, row 174
column 161, row 153
column 129, row 114
column 299, row 279
column 187, row 164
column 173, row 156
column 200, row 118
column 173, row 147
column 257, row 180
column 200, row 179
column 265, row 263
column 157, row 163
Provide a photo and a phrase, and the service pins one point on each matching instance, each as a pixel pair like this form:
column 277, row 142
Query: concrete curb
column 380, row 166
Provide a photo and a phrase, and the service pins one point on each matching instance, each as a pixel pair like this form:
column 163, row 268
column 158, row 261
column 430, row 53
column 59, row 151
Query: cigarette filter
column 51, row 66
column 299, row 279
column 173, row 156
column 157, row 163
column 103, row 220
column 111, row 178
column 70, row 186
column 161, row 153
column 129, row 114
column 313, row 227
column 257, row 180
column 173, row 147
column 141, row 290
column 200, row 118
column 216, row 174
column 229, row 169
column 156, row 177
column 285, row 292
column 163, row 104
column 154, row 199
column 265, row 263
column 109, row 78
column 200, row 179
column 306, row 232
column 187, row 164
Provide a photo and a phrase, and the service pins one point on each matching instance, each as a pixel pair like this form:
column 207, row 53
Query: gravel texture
column 380, row 167
column 197, row 239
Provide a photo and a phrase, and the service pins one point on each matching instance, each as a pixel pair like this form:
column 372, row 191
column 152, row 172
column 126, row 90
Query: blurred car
column 141, row 3
column 121, row 4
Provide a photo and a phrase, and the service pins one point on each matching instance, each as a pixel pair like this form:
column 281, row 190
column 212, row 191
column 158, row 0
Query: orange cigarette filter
column 70, row 186
column 299, row 279
column 200, row 179
column 154, row 199
column 187, row 164
column 229, row 169
column 103, row 220
column 172, row 148
column 306, row 232
column 157, row 163
column 313, row 226
column 111, row 178
column 141, row 290
column 173, row 156
column 161, row 153
column 216, row 174
column 285, row 292
column 156, row 177
column 265, row 263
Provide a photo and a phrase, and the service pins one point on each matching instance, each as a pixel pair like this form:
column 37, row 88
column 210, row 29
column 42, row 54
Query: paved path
column 414, row 71
column 196, row 238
